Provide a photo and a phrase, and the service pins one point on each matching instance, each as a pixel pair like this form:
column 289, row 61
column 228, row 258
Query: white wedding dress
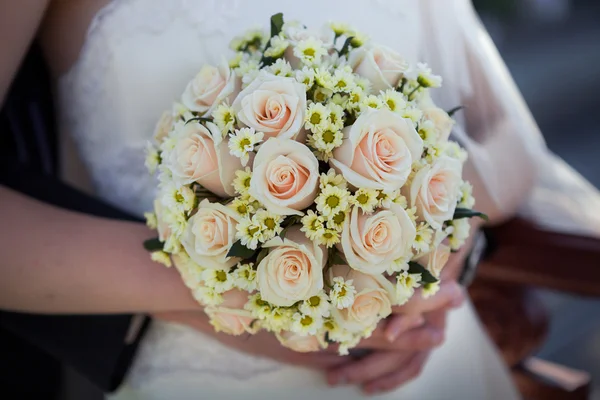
column 137, row 59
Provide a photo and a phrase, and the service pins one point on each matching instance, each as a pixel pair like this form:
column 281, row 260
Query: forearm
column 56, row 261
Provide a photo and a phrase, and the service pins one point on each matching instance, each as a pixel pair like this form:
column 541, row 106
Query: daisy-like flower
column 312, row 224
column 151, row 220
column 258, row 307
column 385, row 198
column 423, row 238
column 340, row 99
column 321, row 95
column 371, row 101
column 234, row 62
column 176, row 221
column 356, row 98
column 433, row 151
column 460, row 230
column 336, row 221
column 430, row 289
column 306, row 324
column 412, row 113
column 246, row 67
column 224, row 118
column 466, row 195
column 279, row 319
column 343, row 80
column 317, row 117
column 317, row 305
column 366, row 199
column 249, row 232
column 310, row 50
column 281, row 68
column 241, row 183
column 306, row 76
column 336, row 114
column 172, row 245
column 427, row 131
column 255, row 39
column 161, row 257
column 358, row 38
column 242, row 142
column 342, row 293
column 328, row 237
column 332, row 179
column 406, row 285
column 340, row 28
column 277, row 47
column 244, row 277
column 152, row 158
column 426, row 78
column 242, row 207
column 401, row 201
column 219, row 280
column 181, row 198
column 323, row 78
column 270, row 224
column 399, row 265
column 326, row 141
column 393, row 100
column 207, row 296
column 453, row 149
column 332, row 200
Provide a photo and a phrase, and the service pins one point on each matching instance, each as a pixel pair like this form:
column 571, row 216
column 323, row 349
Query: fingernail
column 407, row 324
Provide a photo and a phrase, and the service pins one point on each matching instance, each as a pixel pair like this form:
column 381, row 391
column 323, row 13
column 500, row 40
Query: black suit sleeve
column 93, row 345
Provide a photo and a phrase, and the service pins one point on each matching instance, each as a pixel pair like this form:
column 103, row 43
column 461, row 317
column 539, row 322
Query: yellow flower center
column 315, row 119
column 242, row 209
column 328, row 136
column 342, row 291
column 228, row 118
column 270, row 223
column 314, row 301
column 221, row 276
column 333, row 201
column 339, row 218
column 320, row 96
column 362, row 198
column 329, row 325
column 244, row 142
column 247, row 182
column 252, row 231
column 179, row 198
column 306, row 320
column 391, row 104
column 341, row 84
column 309, row 52
column 328, row 235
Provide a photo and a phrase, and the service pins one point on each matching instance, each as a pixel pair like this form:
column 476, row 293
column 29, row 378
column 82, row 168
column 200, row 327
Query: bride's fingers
column 400, row 376
column 400, row 323
column 425, row 338
column 449, row 295
column 320, row 360
column 367, row 368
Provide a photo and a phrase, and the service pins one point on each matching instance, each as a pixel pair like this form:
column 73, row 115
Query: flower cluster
column 307, row 185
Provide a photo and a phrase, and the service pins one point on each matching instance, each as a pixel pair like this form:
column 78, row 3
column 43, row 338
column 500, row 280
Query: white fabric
column 137, row 59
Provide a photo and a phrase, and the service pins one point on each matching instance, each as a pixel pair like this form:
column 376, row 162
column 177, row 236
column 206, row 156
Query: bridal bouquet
column 307, row 185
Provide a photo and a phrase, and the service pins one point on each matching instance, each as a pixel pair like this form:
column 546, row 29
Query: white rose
column 436, row 259
column 378, row 151
column 285, row 176
column 292, row 271
column 209, row 87
column 372, row 302
column 230, row 316
column 273, row 105
column 301, row 343
column 201, row 155
column 441, row 120
column 372, row 242
column 209, row 235
column 382, row 66
column 435, row 191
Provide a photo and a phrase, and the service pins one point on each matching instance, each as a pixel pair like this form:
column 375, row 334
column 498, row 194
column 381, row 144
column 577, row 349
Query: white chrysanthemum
column 406, row 285
column 172, row 244
column 247, row 67
column 219, row 280
column 412, row 214
column 234, row 61
column 242, row 207
column 427, row 131
column 336, row 115
column 326, row 141
column 269, row 222
column 310, row 51
column 281, row 68
column 342, row 292
column 430, row 289
column 332, row 179
column 242, row 142
column 423, row 239
column 328, row 237
column 434, row 151
column 453, row 149
column 241, row 183
column 356, row 98
column 258, row 307
column 385, row 198
column 365, row 199
column 224, row 118
column 306, row 76
column 358, row 38
column 151, row 220
column 207, row 296
column 343, row 81
column 175, row 220
column 255, row 39
column 426, row 78
column 401, row 201
column 181, row 198
column 279, row 319
column 323, row 78
column 306, row 324
column 277, row 47
column 399, row 265
column 340, row 28
column 393, row 100
column 412, row 113
column 336, row 221
column 249, row 232
column 312, row 224
column 466, row 196
column 161, row 257
column 152, row 158
column 340, row 99
column 332, row 200
column 244, row 277
column 322, row 95
column 317, row 305
column 317, row 117
column 371, row 101
column 459, row 233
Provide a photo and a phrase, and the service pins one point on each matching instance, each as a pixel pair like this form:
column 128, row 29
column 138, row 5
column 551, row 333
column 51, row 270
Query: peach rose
column 435, row 190
column 379, row 64
column 292, row 271
column 436, row 259
column 372, row 242
column 301, row 343
column 378, row 151
column 273, row 105
column 209, row 235
column 201, row 155
column 372, row 302
column 441, row 120
column 230, row 317
column 285, row 176
column 163, row 126
column 209, row 87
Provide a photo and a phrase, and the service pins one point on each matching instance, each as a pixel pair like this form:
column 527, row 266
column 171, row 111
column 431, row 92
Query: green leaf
column 276, row 24
column 199, row 119
column 461, row 213
column 346, row 47
column 263, row 253
column 455, row 110
column 241, row 251
column 416, row 268
column 153, row 245
column 337, row 258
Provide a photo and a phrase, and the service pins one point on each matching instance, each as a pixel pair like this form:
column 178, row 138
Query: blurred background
column 552, row 48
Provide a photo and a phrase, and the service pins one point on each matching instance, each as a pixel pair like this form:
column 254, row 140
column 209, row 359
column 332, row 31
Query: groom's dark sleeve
column 94, row 345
